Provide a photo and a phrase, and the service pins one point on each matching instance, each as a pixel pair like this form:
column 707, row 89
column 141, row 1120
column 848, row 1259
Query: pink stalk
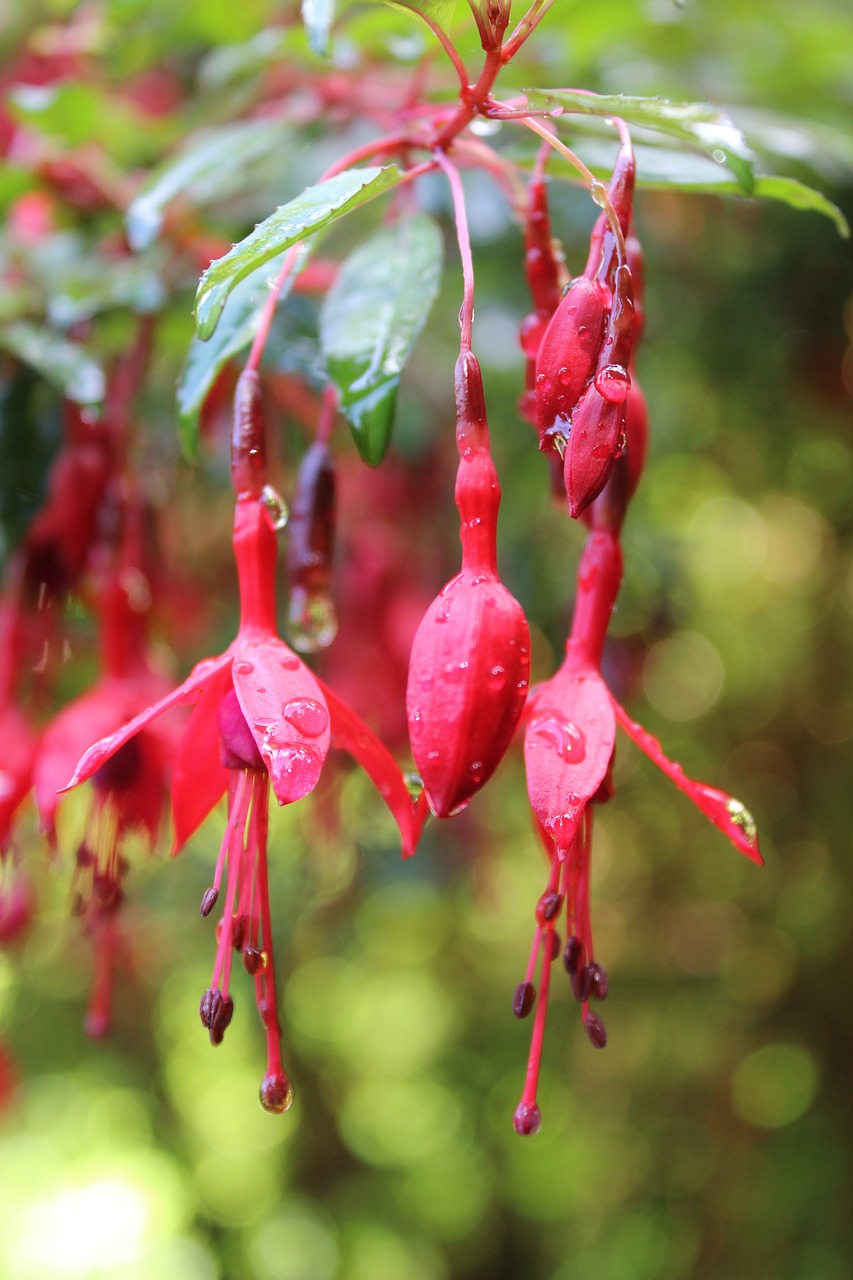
column 466, row 313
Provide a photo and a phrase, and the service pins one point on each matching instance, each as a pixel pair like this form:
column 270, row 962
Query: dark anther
column 581, row 983
column 253, row 960
column 548, row 907
column 552, row 946
column 572, row 954
column 85, row 856
column 210, row 1002
column 523, row 999
column 208, row 901
column 221, row 1016
column 600, row 985
column 595, row 1030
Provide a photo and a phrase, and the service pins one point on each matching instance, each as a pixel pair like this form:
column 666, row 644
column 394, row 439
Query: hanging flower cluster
column 261, row 721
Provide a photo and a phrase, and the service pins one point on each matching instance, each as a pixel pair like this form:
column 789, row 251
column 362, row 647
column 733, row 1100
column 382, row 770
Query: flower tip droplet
column 527, row 1119
column 276, row 1093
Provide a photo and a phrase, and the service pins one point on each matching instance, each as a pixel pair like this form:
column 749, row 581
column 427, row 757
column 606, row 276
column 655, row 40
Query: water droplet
column 414, row 785
column 455, row 670
column 426, row 682
column 276, row 1093
column 243, row 668
column 497, row 677
column 443, row 614
column 598, row 191
column 309, row 717
column 275, row 506
column 613, row 382
column 294, row 769
column 741, row 818
column 475, row 768
column 312, row 623
column 565, row 376
column 433, row 755
column 291, row 662
column 601, row 452
column 564, row 737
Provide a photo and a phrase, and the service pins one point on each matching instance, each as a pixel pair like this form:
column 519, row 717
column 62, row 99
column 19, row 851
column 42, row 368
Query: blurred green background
column 712, row 1137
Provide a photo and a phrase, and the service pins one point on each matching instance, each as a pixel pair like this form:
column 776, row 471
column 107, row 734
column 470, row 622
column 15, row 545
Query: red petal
column 286, row 712
column 107, row 746
column 595, row 442
column 19, row 745
column 568, row 745
column 468, row 675
column 199, row 778
column 724, row 811
column 568, row 352
column 353, row 735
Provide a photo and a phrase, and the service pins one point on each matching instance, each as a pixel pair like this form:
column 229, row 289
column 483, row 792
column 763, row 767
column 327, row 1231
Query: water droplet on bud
column 598, row 191
column 743, row 820
column 306, row 715
column 613, row 383
column 275, row 506
column 414, row 785
column 312, row 623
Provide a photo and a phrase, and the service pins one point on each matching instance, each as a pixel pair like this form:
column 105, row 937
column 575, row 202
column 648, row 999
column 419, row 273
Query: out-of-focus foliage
column 711, row 1137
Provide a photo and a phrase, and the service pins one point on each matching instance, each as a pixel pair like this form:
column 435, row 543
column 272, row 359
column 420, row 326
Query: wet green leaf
column 237, row 327
column 316, row 207
column 695, row 124
column 63, row 364
column 662, row 168
column 371, row 320
column 213, row 165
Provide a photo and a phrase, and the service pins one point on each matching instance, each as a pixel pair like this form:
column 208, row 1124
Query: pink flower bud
column 568, row 354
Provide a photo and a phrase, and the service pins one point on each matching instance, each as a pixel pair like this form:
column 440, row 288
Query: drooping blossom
column 571, row 719
column 262, row 720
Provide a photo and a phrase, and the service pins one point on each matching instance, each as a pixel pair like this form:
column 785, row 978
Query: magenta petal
column 286, row 712
column 107, row 746
column 733, row 818
column 199, row 778
column 352, row 734
column 568, row 745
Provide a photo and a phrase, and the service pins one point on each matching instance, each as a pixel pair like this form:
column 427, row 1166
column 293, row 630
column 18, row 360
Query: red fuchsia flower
column 18, row 741
column 129, row 789
column 582, row 364
column 568, row 748
column 470, row 662
column 261, row 720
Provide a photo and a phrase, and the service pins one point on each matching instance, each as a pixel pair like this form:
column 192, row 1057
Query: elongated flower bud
column 567, row 357
column 470, row 661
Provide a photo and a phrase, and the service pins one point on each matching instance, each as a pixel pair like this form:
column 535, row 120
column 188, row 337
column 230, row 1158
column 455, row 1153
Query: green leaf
column 799, row 196
column 371, row 319
column 664, row 168
column 212, row 165
column 237, row 327
column 696, row 124
column 318, row 16
column 63, row 364
column 440, row 11
column 314, row 208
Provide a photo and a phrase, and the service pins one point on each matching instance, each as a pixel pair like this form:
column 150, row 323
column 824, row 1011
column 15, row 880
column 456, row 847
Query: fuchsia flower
column 470, row 662
column 568, row 749
column 261, row 720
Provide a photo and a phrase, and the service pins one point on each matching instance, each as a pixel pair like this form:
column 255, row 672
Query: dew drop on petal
column 294, row 769
column 741, row 818
column 564, row 737
column 306, row 715
column 243, row 668
column 414, row 785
